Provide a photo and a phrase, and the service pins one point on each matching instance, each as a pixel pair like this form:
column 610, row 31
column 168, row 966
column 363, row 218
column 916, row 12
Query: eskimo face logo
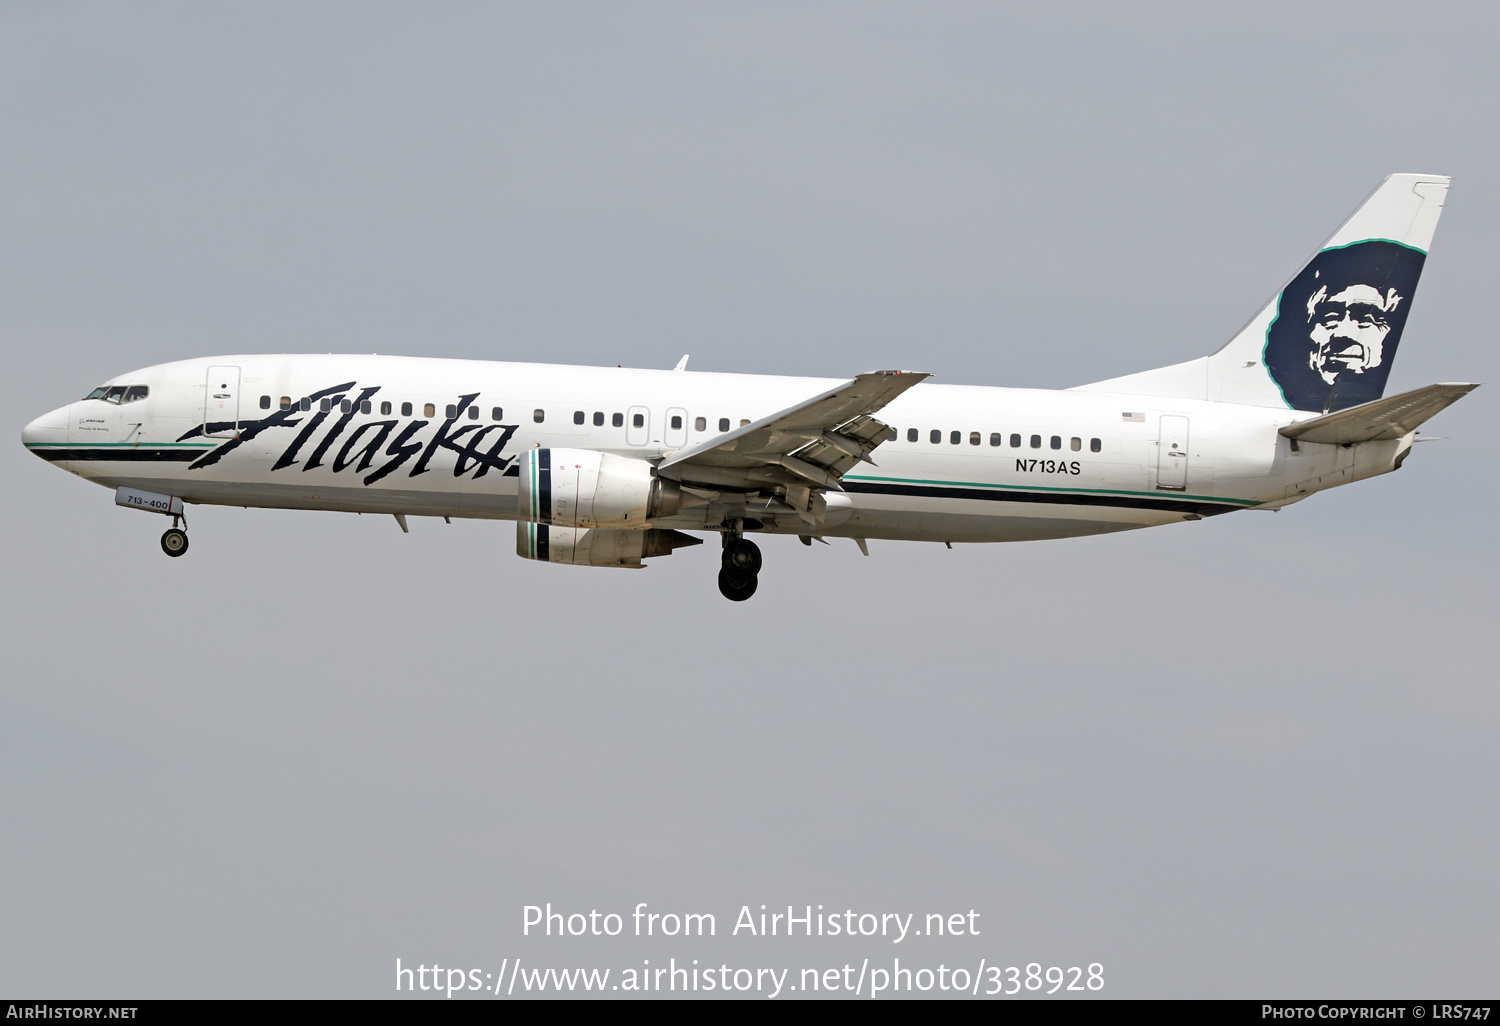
column 1349, row 330
column 1339, row 322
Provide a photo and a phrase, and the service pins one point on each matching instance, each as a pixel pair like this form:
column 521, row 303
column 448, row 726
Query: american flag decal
column 1133, row 418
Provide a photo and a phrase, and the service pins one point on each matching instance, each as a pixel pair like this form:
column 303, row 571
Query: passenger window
column 305, row 403
column 744, row 422
column 637, row 420
column 723, row 423
column 618, row 420
column 286, row 402
column 429, row 410
column 265, row 402
column 538, row 415
column 577, row 416
column 954, row 437
column 473, row 413
column 1015, row 441
column 406, row 409
column 1095, row 445
column 676, row 423
column 450, row 411
column 346, row 406
column 973, row 437
column 496, row 413
column 1036, row 441
column 1057, row 441
column 115, row 394
column 935, row 437
column 995, row 438
column 364, row 406
column 325, row 405
column 1075, row 444
column 700, row 424
column 598, row 419
column 911, row 434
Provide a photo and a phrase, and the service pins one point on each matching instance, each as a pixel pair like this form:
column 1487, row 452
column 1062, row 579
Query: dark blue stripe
column 1198, row 506
column 141, row 455
column 544, row 484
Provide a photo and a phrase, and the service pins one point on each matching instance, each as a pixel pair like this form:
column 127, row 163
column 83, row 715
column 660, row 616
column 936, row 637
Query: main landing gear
column 741, row 564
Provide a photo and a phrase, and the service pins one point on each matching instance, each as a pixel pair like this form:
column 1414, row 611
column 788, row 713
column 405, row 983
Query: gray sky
column 1250, row 756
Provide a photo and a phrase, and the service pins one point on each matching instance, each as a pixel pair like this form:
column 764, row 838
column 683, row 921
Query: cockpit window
column 118, row 394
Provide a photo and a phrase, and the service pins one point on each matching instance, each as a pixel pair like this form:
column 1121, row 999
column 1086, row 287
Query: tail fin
column 1327, row 340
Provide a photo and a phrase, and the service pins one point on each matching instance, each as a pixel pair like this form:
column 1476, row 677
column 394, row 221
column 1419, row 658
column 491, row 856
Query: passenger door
column 221, row 402
column 1172, row 454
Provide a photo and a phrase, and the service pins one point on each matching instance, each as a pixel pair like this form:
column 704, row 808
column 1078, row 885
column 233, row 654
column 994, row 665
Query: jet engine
column 585, row 546
column 583, row 488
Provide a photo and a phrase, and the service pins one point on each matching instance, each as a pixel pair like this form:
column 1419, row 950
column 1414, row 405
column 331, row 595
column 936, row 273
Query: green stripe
column 1045, row 488
column 1393, row 242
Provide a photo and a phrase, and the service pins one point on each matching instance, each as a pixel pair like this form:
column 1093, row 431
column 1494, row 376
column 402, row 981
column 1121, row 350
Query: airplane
column 611, row 466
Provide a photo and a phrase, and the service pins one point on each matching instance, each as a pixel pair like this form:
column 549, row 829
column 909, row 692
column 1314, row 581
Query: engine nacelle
column 584, row 488
column 585, row 546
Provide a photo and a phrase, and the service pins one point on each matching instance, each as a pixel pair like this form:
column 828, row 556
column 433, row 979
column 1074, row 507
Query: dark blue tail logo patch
column 1339, row 322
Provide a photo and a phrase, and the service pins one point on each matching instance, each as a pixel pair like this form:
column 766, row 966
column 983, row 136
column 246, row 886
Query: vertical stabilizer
column 1327, row 340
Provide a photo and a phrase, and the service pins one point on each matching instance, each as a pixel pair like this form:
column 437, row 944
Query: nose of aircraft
column 48, row 429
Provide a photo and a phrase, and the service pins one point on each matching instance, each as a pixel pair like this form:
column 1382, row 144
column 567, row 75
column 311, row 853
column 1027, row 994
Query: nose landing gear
column 174, row 542
column 741, row 565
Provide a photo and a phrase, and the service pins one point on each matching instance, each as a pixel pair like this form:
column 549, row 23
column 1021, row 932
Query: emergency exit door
column 221, row 402
column 675, row 436
column 1172, row 454
column 638, row 427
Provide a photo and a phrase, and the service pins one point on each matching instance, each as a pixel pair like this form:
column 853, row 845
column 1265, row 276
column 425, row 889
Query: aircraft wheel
column 736, row 586
column 742, row 555
column 174, row 542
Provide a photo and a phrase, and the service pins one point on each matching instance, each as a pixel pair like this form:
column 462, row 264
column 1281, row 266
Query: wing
column 1386, row 418
column 802, row 449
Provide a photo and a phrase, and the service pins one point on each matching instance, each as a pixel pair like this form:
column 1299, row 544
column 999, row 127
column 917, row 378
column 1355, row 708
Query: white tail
column 1327, row 340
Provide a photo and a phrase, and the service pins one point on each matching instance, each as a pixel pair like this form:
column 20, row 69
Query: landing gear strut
column 741, row 565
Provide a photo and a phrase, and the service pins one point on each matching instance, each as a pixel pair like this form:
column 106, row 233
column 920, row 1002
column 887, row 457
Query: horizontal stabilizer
column 1382, row 419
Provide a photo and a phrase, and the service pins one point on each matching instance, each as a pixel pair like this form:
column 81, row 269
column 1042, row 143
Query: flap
column 817, row 441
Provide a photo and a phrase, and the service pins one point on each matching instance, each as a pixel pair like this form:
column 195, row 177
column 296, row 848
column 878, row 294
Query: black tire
column 174, row 542
column 736, row 586
column 743, row 556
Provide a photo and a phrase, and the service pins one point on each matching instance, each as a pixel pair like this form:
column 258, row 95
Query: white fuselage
column 431, row 437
